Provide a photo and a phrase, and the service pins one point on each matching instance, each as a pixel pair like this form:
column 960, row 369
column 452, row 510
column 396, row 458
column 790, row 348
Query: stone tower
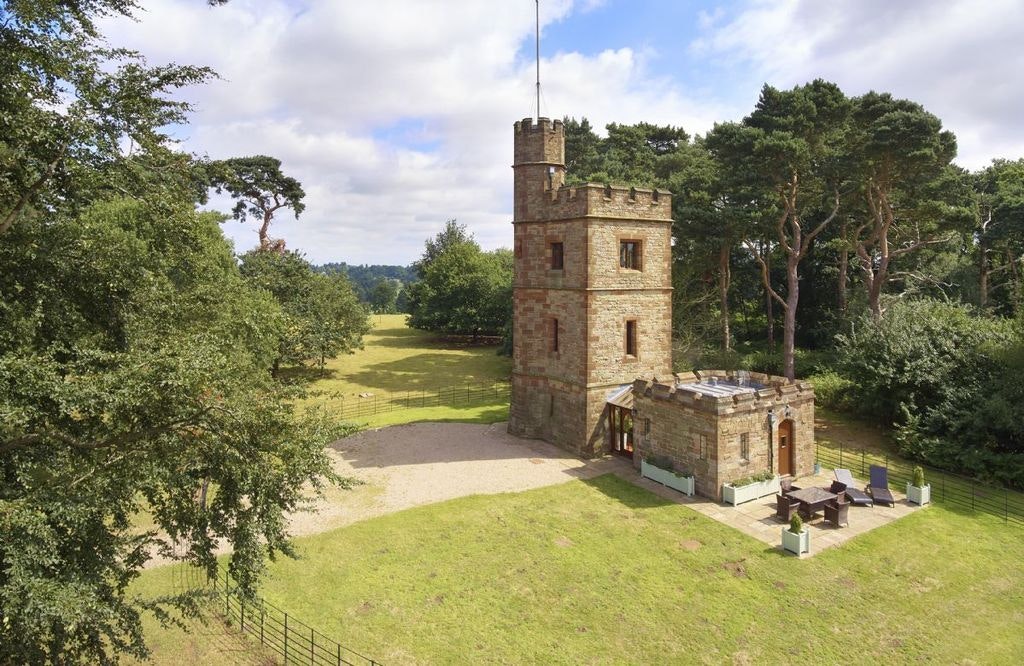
column 592, row 294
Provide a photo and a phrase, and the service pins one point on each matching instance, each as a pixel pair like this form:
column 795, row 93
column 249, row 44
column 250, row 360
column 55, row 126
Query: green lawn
column 599, row 572
column 407, row 375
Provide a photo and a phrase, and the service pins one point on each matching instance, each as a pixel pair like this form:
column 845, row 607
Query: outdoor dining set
column 835, row 500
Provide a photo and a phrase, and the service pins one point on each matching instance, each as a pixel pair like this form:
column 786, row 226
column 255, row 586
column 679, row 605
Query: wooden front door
column 785, row 453
column 621, row 428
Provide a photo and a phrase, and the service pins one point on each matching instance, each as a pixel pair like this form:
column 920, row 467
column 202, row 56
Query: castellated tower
column 592, row 295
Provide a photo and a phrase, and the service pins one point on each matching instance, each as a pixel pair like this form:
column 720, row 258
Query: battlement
column 597, row 200
column 720, row 391
column 542, row 125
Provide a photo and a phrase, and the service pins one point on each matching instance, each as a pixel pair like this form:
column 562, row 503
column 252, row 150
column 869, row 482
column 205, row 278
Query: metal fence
column 355, row 406
column 947, row 488
column 292, row 640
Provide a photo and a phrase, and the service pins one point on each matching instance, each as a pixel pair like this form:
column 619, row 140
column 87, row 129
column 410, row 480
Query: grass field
column 603, row 572
column 400, row 366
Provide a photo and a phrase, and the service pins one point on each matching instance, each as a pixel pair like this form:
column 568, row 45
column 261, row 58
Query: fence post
column 286, row 638
column 312, row 638
column 841, row 455
column 227, row 596
column 972, row 495
column 241, row 614
column 862, row 455
column 262, row 613
column 943, row 487
column 339, row 654
column 1006, row 505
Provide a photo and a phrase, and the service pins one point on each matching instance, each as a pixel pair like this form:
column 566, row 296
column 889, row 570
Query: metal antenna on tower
column 537, row 4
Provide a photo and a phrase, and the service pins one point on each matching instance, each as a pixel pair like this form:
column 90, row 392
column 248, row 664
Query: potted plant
column 918, row 491
column 750, row 488
column 661, row 469
column 796, row 538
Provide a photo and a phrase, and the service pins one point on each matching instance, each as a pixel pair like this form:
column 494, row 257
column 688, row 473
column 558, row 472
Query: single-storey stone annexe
column 722, row 426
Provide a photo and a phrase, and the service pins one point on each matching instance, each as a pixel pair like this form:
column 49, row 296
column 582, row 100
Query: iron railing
column 947, row 488
column 355, row 406
column 291, row 639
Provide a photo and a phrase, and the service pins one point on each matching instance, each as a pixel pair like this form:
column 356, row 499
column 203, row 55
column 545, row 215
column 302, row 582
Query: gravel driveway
column 420, row 463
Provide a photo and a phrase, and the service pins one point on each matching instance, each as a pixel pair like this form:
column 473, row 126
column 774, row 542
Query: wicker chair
column 787, row 486
column 785, row 507
column 838, row 513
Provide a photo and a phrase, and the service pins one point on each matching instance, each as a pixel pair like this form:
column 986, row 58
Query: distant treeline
column 382, row 287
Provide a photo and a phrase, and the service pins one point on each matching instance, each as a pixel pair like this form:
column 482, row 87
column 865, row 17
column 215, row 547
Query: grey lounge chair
column 858, row 497
column 879, row 486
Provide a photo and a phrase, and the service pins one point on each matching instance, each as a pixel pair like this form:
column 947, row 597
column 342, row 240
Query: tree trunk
column 769, row 304
column 724, row 278
column 1014, row 280
column 844, row 267
column 789, row 318
column 264, row 230
column 983, row 273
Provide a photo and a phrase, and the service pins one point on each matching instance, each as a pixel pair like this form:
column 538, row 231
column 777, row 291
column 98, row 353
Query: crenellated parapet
column 602, row 201
column 702, row 391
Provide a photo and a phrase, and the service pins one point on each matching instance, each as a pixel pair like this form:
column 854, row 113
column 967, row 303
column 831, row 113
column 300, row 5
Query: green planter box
column 683, row 484
column 919, row 496
column 796, row 543
column 752, row 491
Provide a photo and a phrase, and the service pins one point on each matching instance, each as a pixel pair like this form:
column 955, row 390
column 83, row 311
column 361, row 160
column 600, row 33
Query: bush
column 918, row 476
column 834, row 391
column 796, row 524
column 660, row 461
column 756, row 478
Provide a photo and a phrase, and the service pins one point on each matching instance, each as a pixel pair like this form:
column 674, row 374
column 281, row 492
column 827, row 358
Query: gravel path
column 411, row 465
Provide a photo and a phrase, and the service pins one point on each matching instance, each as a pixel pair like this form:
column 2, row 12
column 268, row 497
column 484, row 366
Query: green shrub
column 796, row 524
column 918, row 476
column 832, row 390
column 660, row 461
column 755, row 478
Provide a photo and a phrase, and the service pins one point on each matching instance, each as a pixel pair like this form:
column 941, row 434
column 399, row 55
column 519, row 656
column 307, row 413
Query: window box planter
column 683, row 484
column 919, row 495
column 739, row 494
column 796, row 543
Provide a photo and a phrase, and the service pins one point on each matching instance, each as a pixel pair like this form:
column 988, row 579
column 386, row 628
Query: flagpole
column 537, row 3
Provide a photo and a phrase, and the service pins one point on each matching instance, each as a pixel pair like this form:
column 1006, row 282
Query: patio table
column 811, row 500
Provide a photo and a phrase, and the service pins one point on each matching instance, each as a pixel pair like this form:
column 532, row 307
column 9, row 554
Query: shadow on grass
column 304, row 374
column 626, row 493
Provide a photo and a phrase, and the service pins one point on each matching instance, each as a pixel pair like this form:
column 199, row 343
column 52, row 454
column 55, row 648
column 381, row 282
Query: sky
column 396, row 115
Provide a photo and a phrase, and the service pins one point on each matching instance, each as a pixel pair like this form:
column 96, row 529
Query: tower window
column 554, row 335
column 629, row 254
column 745, row 446
column 631, row 337
column 557, row 256
column 703, row 444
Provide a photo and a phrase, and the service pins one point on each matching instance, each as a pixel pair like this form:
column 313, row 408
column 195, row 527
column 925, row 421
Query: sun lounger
column 879, row 486
column 858, row 497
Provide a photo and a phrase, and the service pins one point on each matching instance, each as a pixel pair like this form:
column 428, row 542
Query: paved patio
column 757, row 518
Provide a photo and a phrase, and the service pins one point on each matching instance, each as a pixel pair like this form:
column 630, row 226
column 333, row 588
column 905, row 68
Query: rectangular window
column 703, row 446
column 745, row 446
column 631, row 337
column 554, row 335
column 557, row 256
column 629, row 254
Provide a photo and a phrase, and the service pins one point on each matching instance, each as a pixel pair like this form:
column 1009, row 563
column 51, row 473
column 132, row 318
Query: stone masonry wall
column 677, row 418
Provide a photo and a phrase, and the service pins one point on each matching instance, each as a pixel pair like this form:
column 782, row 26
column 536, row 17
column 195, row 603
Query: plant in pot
column 750, row 488
column 661, row 469
column 796, row 538
column 918, row 491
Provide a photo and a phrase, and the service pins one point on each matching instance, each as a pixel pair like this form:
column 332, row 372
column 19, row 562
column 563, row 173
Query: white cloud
column 330, row 87
column 959, row 58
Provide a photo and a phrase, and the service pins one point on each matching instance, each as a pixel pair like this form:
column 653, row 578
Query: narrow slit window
column 703, row 447
column 631, row 337
column 629, row 255
column 745, row 446
column 554, row 335
column 557, row 256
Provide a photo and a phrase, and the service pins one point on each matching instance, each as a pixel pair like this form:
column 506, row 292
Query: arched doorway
column 784, row 454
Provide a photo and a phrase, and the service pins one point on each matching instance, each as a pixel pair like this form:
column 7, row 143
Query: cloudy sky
column 396, row 115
